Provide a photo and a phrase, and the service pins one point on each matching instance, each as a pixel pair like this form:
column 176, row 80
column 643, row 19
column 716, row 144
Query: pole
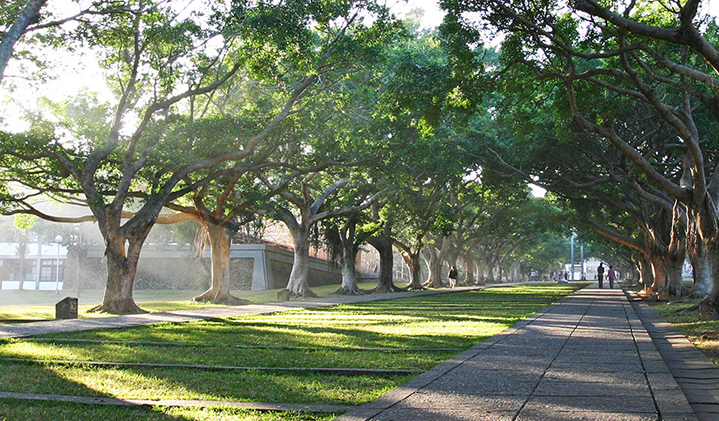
column 581, row 253
column 58, row 240
column 571, row 265
column 57, row 272
column 77, row 264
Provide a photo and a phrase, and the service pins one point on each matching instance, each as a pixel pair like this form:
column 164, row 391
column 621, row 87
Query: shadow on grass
column 46, row 380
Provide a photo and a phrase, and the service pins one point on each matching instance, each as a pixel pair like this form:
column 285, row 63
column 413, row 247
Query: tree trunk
column 659, row 273
column 412, row 260
column 450, row 252
column 219, row 291
column 697, row 251
column 480, row 272
column 676, row 254
column 298, row 284
column 383, row 245
column 646, row 276
column 121, row 270
column 710, row 304
column 675, row 283
column 490, row 272
column 434, row 264
column 469, row 269
column 349, row 274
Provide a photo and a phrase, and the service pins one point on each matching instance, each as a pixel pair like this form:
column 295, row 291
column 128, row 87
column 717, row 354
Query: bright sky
column 432, row 14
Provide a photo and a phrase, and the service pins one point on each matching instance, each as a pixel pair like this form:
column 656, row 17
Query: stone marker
column 66, row 309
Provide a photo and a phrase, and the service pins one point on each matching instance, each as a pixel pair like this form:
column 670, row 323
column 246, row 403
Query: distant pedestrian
column 612, row 275
column 452, row 276
column 600, row 275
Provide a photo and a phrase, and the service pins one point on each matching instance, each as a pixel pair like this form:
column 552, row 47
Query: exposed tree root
column 226, row 299
column 688, row 309
column 308, row 293
column 381, row 289
column 349, row 291
column 118, row 307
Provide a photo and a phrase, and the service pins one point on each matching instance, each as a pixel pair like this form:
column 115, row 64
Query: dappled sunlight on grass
column 63, row 411
column 703, row 334
column 319, row 337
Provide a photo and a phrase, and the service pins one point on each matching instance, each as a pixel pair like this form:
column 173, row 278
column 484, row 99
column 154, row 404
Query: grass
column 703, row 334
column 321, row 337
column 11, row 410
column 40, row 305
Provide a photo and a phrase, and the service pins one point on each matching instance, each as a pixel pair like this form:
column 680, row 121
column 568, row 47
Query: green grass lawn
column 40, row 305
column 705, row 335
column 321, row 337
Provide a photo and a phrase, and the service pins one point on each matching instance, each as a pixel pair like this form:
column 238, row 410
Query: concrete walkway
column 587, row 357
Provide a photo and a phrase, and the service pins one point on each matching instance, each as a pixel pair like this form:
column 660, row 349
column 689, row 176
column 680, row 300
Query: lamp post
column 571, row 254
column 58, row 240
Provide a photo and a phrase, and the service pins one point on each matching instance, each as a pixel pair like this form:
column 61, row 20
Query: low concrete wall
column 271, row 267
column 253, row 267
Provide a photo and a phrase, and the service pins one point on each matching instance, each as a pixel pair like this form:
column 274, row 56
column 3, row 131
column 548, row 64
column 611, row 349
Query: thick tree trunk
column 646, row 276
column 349, row 274
column 450, row 252
column 434, row 265
column 697, row 251
column 675, row 283
column 659, row 273
column 709, row 307
column 700, row 271
column 676, row 254
column 707, row 223
column 480, row 272
column 121, row 270
column 469, row 269
column 490, row 273
column 413, row 261
column 219, row 291
column 298, row 284
column 383, row 245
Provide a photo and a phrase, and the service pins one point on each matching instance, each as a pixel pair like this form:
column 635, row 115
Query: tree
column 661, row 60
column 19, row 21
column 311, row 209
column 162, row 60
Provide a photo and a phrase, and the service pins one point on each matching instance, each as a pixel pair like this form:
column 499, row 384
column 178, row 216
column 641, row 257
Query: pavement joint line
column 190, row 344
column 549, row 366
column 629, row 310
column 661, row 391
column 348, row 371
column 259, row 406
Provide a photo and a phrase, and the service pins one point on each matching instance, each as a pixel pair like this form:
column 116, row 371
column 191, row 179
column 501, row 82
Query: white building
column 42, row 266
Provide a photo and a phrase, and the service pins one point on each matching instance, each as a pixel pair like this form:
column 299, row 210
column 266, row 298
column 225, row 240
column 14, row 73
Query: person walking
column 612, row 275
column 600, row 275
column 452, row 276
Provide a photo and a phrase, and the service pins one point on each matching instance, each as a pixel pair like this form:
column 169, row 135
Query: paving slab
column 586, row 357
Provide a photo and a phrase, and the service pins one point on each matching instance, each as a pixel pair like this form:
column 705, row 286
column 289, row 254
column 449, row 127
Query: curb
column 695, row 374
